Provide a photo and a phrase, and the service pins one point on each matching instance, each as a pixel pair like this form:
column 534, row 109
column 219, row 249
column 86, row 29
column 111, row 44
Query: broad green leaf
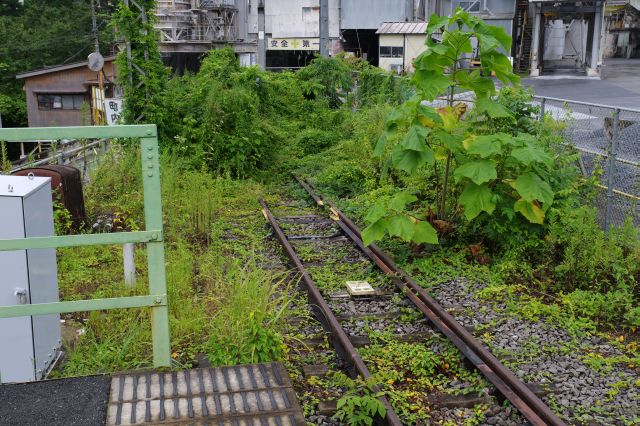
column 376, row 212
column 450, row 118
column 394, row 117
column 401, row 226
column 487, row 43
column 428, row 116
column 431, row 84
column 448, row 140
column 473, row 80
column 492, row 108
column 425, row 233
column 459, row 40
column 483, row 146
column 415, row 138
column 500, row 64
column 476, row 199
column 479, row 172
column 401, row 199
column 409, row 160
column 442, row 49
column 440, row 153
column 374, row 232
column 530, row 210
column 530, row 153
column 436, row 23
column 531, row 188
column 467, row 19
column 430, row 60
column 380, row 145
column 492, row 37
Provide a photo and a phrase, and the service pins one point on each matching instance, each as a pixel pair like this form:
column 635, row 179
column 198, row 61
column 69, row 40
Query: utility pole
column 94, row 26
column 96, row 62
column 324, row 28
column 262, row 50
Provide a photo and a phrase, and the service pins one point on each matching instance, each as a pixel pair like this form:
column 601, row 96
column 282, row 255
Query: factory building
column 622, row 29
column 274, row 33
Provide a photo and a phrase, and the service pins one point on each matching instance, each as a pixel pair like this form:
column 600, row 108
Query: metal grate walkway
column 257, row 394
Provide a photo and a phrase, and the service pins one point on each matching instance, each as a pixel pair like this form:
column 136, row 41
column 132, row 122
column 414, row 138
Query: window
column 64, row 102
column 470, row 6
column 391, row 51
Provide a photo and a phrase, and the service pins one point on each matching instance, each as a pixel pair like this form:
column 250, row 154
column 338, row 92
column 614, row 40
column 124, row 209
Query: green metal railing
column 152, row 236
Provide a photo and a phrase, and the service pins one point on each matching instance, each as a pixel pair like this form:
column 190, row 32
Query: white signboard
column 293, row 44
column 112, row 110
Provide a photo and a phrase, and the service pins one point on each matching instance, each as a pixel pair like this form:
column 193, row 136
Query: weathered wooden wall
column 70, row 81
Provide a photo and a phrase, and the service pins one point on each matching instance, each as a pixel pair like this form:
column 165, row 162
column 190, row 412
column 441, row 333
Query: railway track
column 396, row 298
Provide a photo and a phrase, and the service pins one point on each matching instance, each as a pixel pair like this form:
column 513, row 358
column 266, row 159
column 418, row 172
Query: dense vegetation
column 486, row 192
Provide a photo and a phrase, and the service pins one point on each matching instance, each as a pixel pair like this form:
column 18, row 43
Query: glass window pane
column 77, row 101
column 57, row 102
column 44, row 102
column 67, row 102
column 385, row 51
column 397, row 52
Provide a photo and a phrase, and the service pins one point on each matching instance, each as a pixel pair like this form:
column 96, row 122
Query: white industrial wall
column 298, row 18
column 391, row 40
column 415, row 45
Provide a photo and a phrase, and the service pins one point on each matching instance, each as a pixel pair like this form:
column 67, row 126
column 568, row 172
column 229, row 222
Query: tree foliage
column 43, row 33
column 143, row 75
column 244, row 121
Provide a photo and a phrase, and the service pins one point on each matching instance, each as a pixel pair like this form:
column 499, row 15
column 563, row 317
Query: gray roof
column 403, row 28
column 56, row 68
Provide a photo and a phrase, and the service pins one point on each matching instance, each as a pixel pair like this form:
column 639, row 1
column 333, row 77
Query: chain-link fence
column 608, row 140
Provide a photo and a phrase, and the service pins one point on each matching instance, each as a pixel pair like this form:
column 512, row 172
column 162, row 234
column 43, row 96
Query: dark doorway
column 284, row 59
column 181, row 62
column 363, row 43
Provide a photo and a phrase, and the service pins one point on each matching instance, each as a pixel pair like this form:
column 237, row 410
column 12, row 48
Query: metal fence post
column 155, row 250
column 543, row 103
column 611, row 169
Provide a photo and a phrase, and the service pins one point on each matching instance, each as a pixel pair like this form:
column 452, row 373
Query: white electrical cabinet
column 28, row 345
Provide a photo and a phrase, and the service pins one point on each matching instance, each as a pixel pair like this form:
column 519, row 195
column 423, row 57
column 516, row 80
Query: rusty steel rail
column 327, row 316
column 512, row 388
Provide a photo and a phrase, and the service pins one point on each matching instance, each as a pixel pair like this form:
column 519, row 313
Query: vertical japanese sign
column 113, row 110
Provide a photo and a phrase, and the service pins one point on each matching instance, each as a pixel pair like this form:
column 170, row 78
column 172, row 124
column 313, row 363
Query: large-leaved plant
column 472, row 173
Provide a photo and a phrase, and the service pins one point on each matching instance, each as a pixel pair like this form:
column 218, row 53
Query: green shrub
column 520, row 103
column 312, row 140
column 613, row 308
column 632, row 316
column 586, row 258
column 326, row 78
column 345, row 178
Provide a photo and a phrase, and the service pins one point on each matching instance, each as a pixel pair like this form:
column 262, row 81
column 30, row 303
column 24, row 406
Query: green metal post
column 155, row 250
column 152, row 236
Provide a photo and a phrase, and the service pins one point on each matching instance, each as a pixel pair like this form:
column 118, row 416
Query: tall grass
column 191, row 199
column 251, row 307
column 220, row 301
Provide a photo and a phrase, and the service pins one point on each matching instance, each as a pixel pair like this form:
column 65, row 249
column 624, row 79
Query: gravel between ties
column 543, row 353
